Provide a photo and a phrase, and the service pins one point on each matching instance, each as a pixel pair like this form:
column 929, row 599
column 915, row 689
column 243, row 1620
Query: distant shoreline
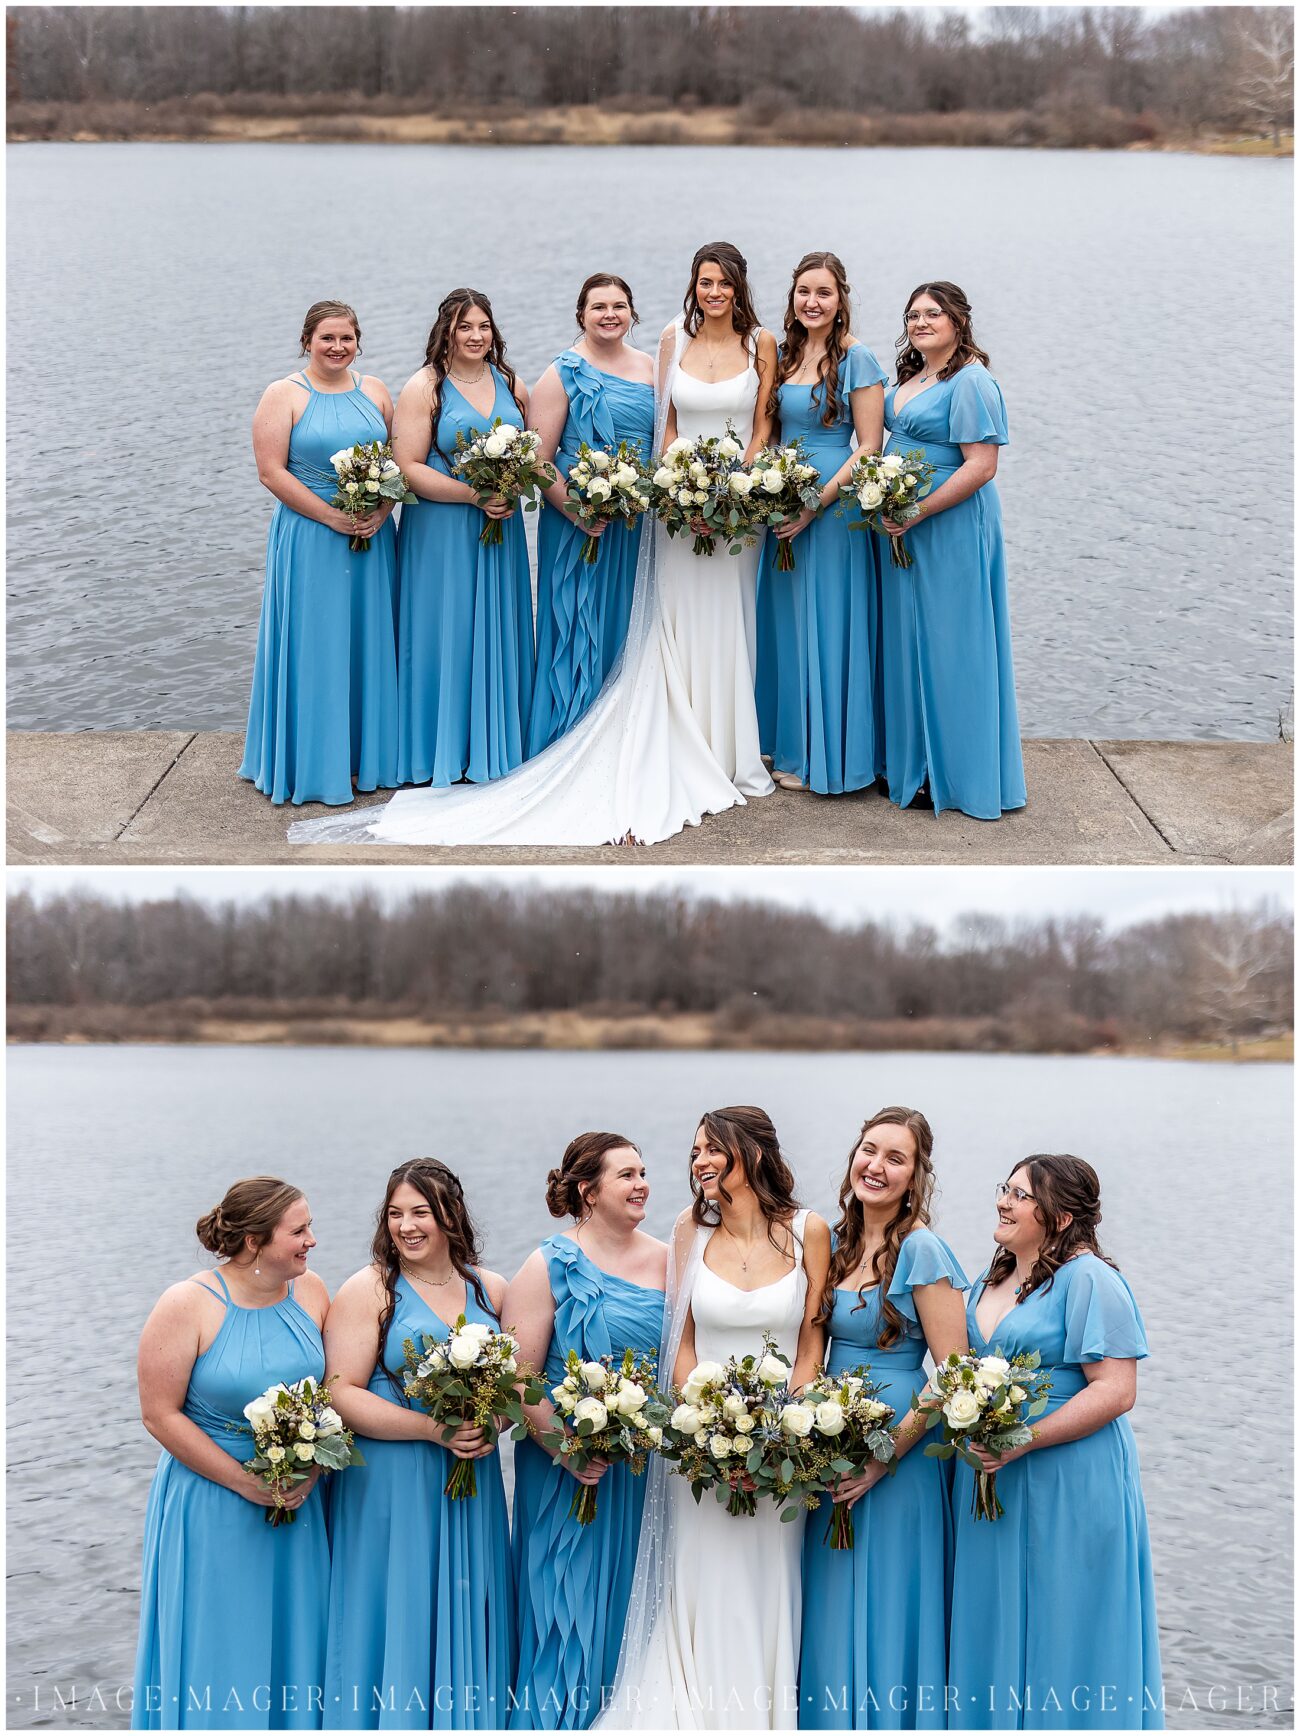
column 252, row 120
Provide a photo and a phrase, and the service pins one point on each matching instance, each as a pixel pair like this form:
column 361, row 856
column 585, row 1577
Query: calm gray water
column 114, row 1152
column 1137, row 310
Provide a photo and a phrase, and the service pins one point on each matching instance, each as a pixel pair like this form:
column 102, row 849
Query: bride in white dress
column 712, row 1637
column 673, row 733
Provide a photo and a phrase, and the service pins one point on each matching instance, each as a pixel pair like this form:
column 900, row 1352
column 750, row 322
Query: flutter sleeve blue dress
column 421, row 1603
column 582, row 609
column 232, row 1609
column 575, row 1580
column 874, row 1653
column 1053, row 1605
column 323, row 709
column 947, row 678
column 465, row 623
column 817, row 689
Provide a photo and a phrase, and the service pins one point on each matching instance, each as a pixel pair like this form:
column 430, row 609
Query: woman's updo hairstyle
column 571, row 1188
column 318, row 312
column 251, row 1208
column 605, row 280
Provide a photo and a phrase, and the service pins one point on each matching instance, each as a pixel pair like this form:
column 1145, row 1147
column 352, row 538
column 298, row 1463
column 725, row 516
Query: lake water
column 1136, row 307
column 114, row 1152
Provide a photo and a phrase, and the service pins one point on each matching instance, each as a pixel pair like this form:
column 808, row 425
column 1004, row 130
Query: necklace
column 464, row 379
column 419, row 1278
column 744, row 1264
column 711, row 359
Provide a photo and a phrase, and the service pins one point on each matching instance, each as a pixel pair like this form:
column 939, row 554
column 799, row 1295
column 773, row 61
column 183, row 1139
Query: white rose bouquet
column 988, row 1402
column 726, row 1423
column 366, row 475
column 702, row 481
column 295, row 1429
column 473, row 1376
column 785, row 485
column 888, row 488
column 851, row 1423
column 610, row 1410
column 605, row 484
column 505, row 461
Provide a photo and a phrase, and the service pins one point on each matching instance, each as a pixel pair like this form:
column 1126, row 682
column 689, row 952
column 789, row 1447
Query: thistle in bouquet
column 986, row 1402
column 506, row 463
column 367, row 474
column 725, row 1424
column 785, row 486
column 296, row 1431
column 836, row 1428
column 472, row 1377
column 888, row 489
column 605, row 484
column 702, row 482
column 611, row 1411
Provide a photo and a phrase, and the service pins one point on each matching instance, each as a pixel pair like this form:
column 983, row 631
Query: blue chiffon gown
column 465, row 624
column 574, row 1580
column 582, row 610
column 875, row 1619
column 1053, row 1623
column 817, row 689
column 323, row 709
column 232, row 1609
column 948, row 683
column 421, row 1604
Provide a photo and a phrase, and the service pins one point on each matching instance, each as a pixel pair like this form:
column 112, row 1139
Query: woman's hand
column 595, row 1470
column 467, row 1441
column 263, row 1495
column 994, row 1462
column 498, row 507
column 596, row 528
column 892, row 529
column 850, row 1490
column 365, row 525
column 791, row 528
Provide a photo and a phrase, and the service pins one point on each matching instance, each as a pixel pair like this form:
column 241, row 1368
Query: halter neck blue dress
column 582, row 610
column 323, row 709
column 211, row 1655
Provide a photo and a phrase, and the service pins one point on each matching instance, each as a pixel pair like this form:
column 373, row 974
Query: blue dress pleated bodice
column 949, row 686
column 582, row 609
column 575, row 1581
column 817, row 687
column 421, row 1614
column 323, row 708
column 874, row 1651
column 465, row 623
column 208, row 1656
column 1055, row 1601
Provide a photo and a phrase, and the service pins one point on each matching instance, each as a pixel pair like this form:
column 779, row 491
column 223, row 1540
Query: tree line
column 471, row 949
column 1196, row 67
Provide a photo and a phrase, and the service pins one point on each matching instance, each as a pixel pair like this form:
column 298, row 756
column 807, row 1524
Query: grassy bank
column 317, row 120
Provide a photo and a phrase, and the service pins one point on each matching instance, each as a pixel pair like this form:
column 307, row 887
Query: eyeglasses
column 924, row 318
column 1003, row 1189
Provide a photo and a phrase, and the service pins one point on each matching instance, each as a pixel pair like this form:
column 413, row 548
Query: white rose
column 306, row 1452
column 740, row 483
column 991, row 1371
column 563, row 1399
column 599, row 489
column 734, row 1405
column 772, row 1371
column 720, row 1446
column 728, row 447
column 891, row 464
column 629, row 1399
column 680, row 445
column 307, row 1431
column 704, row 1372
column 643, row 501
column 876, row 1409
column 260, row 1411
column 373, row 470
column 701, row 496
column 462, row 1351
column 351, row 487
column 740, row 1446
column 476, row 1329
column 686, row 1419
column 744, row 1425
column 871, row 496
column 638, row 1419
column 275, row 1454
column 663, row 477
column 625, row 476
column 708, row 1415
column 697, row 472
column 962, row 1409
column 600, row 460
column 341, row 458
column 494, row 446
column 701, row 1437
column 910, row 480
column 805, row 472
column 513, row 436
column 1017, row 1395
column 773, row 481
column 594, row 1375
column 391, row 467
column 797, row 1419
column 830, row 1417
column 655, row 1435
column 591, row 1410
column 331, row 1423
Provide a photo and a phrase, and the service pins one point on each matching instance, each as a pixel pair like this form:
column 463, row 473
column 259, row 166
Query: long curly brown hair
column 909, row 361
column 796, row 340
column 749, row 1140
column 437, row 352
column 1061, row 1185
column 851, row 1230
column 735, row 269
column 441, row 1187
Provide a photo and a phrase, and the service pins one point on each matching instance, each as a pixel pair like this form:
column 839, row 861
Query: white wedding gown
column 723, row 1653
column 673, row 733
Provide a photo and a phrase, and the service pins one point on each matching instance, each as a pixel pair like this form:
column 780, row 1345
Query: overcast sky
column 1118, row 895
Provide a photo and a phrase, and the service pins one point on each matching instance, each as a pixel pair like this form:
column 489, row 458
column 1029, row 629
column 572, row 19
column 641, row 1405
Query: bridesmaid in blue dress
column 421, row 1604
column 952, row 733
column 323, row 710
column 210, row 1656
column 817, row 689
column 465, row 652
column 875, row 1631
column 597, row 1289
column 600, row 391
column 1053, row 1605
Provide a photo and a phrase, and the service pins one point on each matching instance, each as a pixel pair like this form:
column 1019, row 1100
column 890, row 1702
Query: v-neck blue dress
column 949, row 687
column 465, row 623
column 421, row 1604
column 575, row 1580
column 232, row 1609
column 1053, row 1623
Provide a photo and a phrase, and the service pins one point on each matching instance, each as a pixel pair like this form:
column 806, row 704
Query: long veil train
column 636, row 766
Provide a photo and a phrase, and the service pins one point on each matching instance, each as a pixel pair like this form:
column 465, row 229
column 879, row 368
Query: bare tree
column 1263, row 79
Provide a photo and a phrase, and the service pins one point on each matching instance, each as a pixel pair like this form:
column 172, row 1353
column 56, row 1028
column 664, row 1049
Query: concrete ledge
column 173, row 796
